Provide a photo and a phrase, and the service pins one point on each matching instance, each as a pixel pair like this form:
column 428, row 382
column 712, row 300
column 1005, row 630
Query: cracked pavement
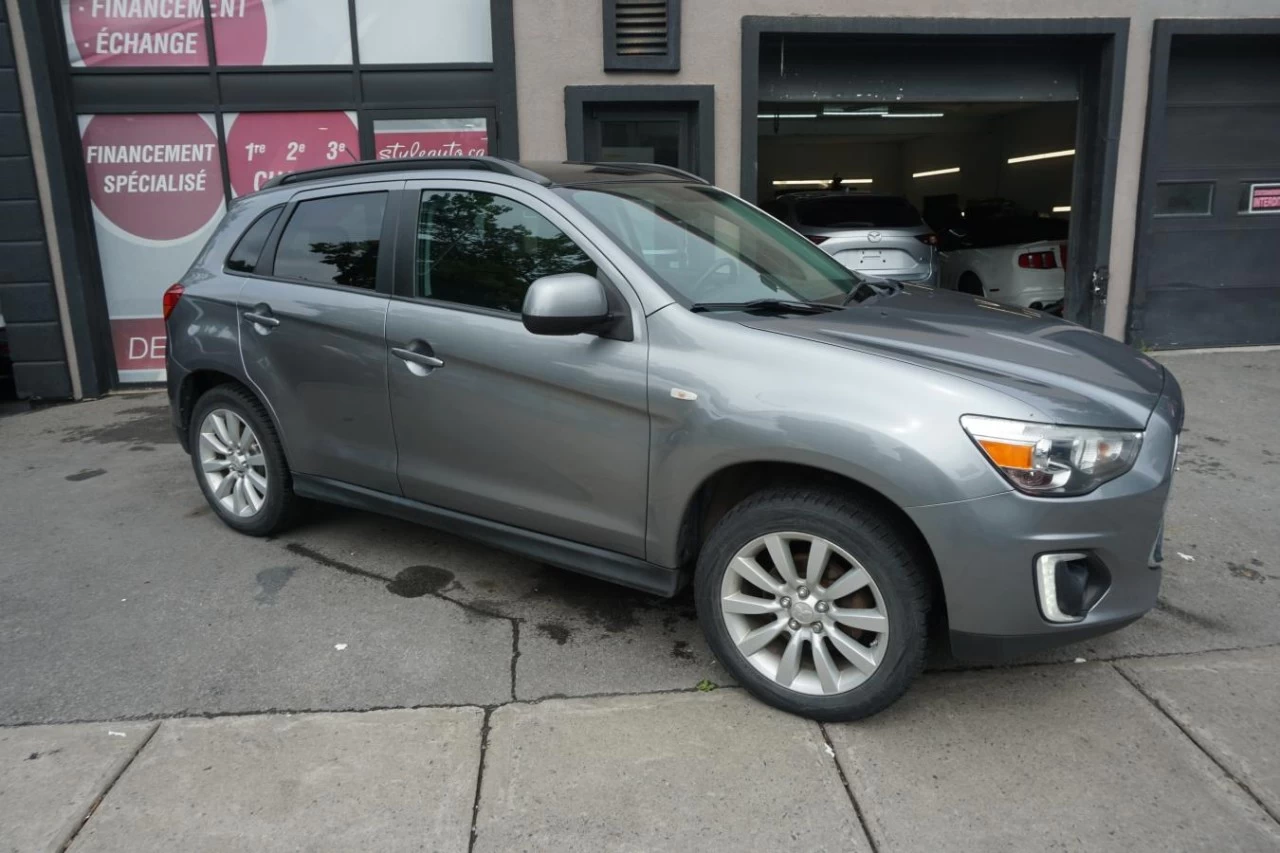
column 123, row 599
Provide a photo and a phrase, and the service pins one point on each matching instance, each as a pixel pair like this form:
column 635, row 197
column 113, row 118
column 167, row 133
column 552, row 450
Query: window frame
column 386, row 240
column 622, row 304
column 1200, row 214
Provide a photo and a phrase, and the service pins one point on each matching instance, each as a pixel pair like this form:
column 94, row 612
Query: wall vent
column 642, row 35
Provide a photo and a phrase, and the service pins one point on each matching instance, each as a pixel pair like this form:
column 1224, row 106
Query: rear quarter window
column 851, row 211
column 244, row 257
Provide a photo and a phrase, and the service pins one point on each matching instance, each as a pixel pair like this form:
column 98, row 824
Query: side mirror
column 565, row 304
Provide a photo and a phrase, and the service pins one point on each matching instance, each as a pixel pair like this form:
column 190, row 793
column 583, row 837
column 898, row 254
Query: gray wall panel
column 20, row 220
column 26, row 295
column 36, row 341
column 47, row 379
column 28, row 303
column 17, row 180
column 23, row 262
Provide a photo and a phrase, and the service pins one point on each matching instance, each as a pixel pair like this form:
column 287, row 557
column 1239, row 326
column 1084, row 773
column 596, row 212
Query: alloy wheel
column 234, row 465
column 804, row 613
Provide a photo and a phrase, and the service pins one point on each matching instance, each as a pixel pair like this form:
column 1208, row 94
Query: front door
column 311, row 332
column 549, row 434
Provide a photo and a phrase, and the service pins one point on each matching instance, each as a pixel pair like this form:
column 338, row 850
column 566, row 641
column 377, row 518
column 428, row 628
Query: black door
column 627, row 134
column 1208, row 265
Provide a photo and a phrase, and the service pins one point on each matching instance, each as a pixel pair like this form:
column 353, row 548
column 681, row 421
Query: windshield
column 703, row 245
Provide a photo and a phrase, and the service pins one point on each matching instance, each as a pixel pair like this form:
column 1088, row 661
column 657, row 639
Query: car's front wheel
column 240, row 463
column 815, row 602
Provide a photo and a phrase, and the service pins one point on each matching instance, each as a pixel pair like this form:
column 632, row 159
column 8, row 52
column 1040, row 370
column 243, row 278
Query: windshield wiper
column 877, row 287
column 776, row 306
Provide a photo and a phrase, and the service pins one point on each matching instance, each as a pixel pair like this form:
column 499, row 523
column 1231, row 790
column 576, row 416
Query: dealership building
column 128, row 126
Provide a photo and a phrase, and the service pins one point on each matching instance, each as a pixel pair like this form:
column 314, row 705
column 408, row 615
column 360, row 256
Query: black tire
column 892, row 557
column 280, row 507
column 969, row 283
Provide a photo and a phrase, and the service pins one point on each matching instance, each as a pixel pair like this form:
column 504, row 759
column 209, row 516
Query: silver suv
column 879, row 235
column 626, row 372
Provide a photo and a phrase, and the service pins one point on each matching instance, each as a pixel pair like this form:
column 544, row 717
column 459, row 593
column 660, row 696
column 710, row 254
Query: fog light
column 1062, row 584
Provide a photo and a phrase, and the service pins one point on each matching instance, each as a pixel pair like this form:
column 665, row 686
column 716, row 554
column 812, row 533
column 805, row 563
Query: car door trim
column 563, row 553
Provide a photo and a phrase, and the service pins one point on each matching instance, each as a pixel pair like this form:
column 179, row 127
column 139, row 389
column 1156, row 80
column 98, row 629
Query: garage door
column 1208, row 271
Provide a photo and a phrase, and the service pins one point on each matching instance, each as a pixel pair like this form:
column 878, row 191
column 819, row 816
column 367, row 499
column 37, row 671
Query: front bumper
column 986, row 550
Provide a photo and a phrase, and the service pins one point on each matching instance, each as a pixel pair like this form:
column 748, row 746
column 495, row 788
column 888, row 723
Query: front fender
column 761, row 397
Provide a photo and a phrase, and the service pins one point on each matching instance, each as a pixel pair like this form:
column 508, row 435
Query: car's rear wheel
column 971, row 284
column 239, row 462
column 815, row 602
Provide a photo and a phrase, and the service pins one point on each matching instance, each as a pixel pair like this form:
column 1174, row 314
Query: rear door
column 312, row 317
column 550, row 434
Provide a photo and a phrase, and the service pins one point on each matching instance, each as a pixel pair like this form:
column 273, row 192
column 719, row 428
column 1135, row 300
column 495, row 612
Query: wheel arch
column 728, row 486
column 969, row 274
column 199, row 382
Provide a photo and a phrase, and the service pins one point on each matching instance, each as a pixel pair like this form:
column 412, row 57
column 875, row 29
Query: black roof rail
column 408, row 164
column 651, row 167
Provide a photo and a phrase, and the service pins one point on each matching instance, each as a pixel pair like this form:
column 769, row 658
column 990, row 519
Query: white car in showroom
column 1016, row 260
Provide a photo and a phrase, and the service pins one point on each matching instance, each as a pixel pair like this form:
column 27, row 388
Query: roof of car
column 546, row 173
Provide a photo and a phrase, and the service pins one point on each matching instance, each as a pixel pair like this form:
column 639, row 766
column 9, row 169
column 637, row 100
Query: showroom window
column 396, row 139
column 393, row 31
column 210, row 110
column 261, row 146
column 155, row 182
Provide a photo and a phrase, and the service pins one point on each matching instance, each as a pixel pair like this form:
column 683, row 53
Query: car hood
column 1068, row 373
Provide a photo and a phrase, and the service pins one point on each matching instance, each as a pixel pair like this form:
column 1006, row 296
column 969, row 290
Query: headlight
column 1041, row 459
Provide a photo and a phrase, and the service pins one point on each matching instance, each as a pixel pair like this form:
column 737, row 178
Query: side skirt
column 584, row 559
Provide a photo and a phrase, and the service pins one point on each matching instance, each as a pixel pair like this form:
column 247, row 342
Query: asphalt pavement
column 362, row 683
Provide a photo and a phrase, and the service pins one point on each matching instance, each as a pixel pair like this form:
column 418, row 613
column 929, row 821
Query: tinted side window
column 852, row 211
column 333, row 241
column 483, row 250
column 244, row 257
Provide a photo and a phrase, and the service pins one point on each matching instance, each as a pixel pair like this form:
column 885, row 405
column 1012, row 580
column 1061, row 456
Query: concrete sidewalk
column 1170, row 754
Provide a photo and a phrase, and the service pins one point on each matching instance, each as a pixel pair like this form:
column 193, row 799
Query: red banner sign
column 139, row 342
column 263, row 145
column 157, row 177
column 152, row 33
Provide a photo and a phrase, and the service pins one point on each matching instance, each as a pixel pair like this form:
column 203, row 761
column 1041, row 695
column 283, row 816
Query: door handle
column 262, row 317
column 420, row 363
column 416, row 357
